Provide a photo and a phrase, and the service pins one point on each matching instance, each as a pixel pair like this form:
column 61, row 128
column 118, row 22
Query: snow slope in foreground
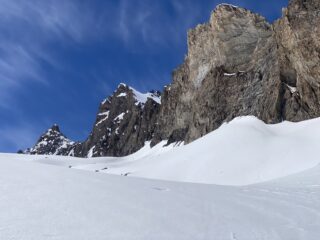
column 48, row 197
column 45, row 202
column 244, row 151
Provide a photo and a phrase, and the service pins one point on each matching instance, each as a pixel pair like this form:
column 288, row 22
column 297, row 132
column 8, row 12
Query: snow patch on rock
column 119, row 118
column 91, row 152
column 142, row 98
column 292, row 89
column 122, row 95
column 102, row 120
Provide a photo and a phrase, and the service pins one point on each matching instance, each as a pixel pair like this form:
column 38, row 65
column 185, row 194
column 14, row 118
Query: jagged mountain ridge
column 124, row 122
column 237, row 64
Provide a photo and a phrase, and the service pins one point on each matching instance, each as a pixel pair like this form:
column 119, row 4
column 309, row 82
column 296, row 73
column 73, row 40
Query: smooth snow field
column 247, row 180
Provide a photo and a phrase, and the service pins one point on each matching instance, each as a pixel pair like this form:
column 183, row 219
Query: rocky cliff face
column 230, row 70
column 237, row 64
column 298, row 37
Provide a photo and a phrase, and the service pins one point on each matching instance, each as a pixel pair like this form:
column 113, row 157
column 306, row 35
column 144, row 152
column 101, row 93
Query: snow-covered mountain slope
column 244, row 151
column 42, row 202
column 142, row 98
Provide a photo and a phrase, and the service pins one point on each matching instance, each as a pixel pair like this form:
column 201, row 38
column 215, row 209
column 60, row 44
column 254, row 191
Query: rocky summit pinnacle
column 52, row 142
column 55, row 127
column 125, row 121
column 237, row 64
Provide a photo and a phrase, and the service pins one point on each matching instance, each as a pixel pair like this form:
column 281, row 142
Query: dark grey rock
column 125, row 121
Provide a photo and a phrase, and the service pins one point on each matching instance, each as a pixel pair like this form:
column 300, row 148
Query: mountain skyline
column 70, row 56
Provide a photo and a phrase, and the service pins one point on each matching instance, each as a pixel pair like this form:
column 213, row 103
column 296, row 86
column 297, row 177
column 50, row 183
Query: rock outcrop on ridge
column 237, row 64
column 52, row 142
column 125, row 121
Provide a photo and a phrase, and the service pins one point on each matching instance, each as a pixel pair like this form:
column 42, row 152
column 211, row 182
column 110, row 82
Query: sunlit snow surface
column 273, row 169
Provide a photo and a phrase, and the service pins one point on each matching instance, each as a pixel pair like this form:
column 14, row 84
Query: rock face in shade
column 125, row 121
column 298, row 38
column 237, row 64
column 52, row 142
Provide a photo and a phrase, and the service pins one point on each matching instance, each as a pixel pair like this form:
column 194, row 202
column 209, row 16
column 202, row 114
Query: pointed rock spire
column 55, row 128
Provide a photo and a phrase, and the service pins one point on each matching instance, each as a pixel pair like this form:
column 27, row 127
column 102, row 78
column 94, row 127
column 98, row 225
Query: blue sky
column 59, row 59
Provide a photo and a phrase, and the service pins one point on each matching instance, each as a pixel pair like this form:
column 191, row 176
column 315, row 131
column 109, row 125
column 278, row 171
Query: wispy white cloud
column 17, row 65
column 147, row 22
column 27, row 29
column 51, row 19
column 17, row 137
